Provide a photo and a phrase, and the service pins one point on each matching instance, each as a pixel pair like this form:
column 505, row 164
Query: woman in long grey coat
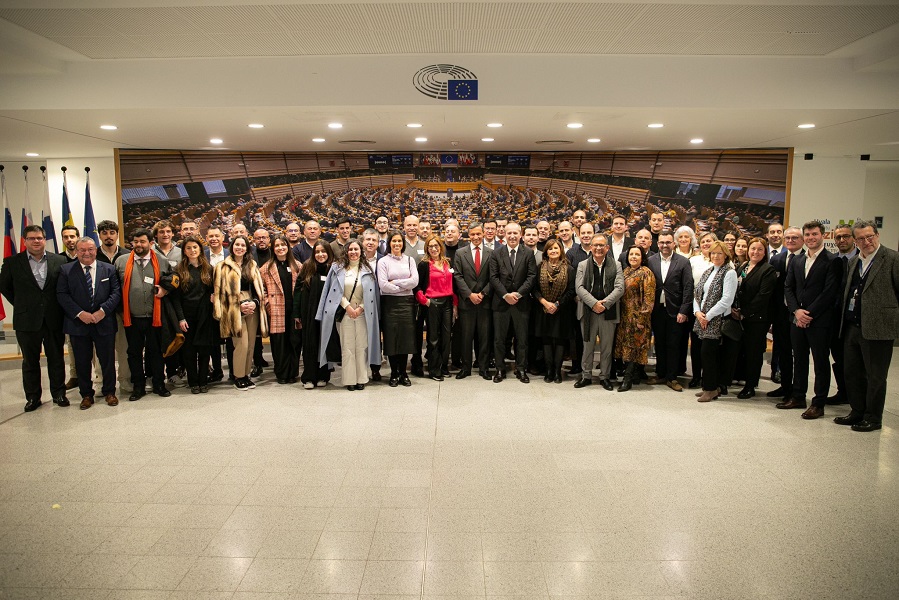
column 335, row 293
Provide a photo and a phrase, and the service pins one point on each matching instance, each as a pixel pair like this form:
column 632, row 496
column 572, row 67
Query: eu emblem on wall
column 446, row 82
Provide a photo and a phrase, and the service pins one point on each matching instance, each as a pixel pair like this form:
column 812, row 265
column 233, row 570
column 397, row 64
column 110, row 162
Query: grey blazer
column 880, row 296
column 585, row 306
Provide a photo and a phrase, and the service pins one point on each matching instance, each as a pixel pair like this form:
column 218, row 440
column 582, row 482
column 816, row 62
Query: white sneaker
column 308, row 385
column 321, row 384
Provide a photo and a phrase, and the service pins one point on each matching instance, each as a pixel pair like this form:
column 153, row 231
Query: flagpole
column 47, row 213
column 90, row 222
column 3, row 193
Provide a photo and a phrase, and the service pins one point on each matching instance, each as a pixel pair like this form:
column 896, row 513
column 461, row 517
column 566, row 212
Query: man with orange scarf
column 140, row 272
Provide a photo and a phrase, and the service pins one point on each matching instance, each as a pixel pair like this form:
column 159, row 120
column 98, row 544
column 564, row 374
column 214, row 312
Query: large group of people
column 534, row 293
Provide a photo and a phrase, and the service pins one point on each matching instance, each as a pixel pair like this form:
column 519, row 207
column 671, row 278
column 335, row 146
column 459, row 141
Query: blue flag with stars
column 462, row 89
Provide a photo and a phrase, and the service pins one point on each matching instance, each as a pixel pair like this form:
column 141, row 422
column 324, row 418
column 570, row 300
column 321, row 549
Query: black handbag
column 341, row 311
column 732, row 328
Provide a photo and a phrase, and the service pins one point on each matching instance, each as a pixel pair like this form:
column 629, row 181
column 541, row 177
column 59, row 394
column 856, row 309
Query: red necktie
column 477, row 260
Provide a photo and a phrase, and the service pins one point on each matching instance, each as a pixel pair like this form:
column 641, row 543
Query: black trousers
column 257, row 352
column 476, row 321
column 215, row 352
column 173, row 363
column 143, row 337
column 397, row 364
column 456, row 344
column 504, row 321
column 84, row 347
column 196, row 358
column 696, row 354
column 421, row 316
column 755, row 339
column 816, row 340
column 837, row 352
column 717, row 358
column 30, row 342
column 867, row 363
column 440, row 330
column 554, row 354
column 668, row 334
column 287, row 363
column 780, row 328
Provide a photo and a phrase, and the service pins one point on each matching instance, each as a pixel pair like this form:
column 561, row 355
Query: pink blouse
column 440, row 285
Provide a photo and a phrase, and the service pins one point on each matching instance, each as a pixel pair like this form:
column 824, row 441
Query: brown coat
column 226, row 290
column 275, row 297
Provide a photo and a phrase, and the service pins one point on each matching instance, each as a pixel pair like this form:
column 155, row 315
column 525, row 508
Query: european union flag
column 462, row 89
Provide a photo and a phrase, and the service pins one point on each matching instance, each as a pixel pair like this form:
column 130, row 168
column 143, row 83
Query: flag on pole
column 47, row 217
column 90, row 223
column 22, row 231
column 67, row 218
column 9, row 246
column 27, row 218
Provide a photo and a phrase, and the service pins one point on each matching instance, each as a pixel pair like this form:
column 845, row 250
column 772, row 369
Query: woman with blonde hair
column 699, row 264
column 713, row 298
column 435, row 292
column 239, row 306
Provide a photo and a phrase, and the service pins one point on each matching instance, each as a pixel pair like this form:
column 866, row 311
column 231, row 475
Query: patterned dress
column 634, row 331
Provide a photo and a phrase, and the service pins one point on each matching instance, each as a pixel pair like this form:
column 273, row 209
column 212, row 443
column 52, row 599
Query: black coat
column 562, row 324
column 32, row 306
column 504, row 279
column 815, row 292
column 754, row 294
column 678, row 284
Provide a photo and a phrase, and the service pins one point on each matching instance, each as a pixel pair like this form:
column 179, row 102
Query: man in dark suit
column 472, row 278
column 673, row 305
column 846, row 251
column 780, row 317
column 775, row 237
column 513, row 274
column 619, row 243
column 28, row 280
column 810, row 291
column 870, row 308
column 89, row 293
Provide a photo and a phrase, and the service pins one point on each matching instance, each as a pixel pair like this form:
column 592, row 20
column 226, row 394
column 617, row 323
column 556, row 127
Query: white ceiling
column 737, row 74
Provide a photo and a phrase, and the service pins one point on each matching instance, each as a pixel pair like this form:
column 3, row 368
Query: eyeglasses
column 844, row 236
column 866, row 238
column 33, row 239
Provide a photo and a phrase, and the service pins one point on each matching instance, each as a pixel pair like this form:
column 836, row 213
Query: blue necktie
column 90, row 282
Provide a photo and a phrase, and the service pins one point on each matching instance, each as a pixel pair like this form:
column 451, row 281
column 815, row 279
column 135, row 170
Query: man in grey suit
column 513, row 274
column 870, row 325
column 472, row 278
column 599, row 284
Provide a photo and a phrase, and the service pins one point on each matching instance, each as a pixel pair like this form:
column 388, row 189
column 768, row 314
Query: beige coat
column 226, row 306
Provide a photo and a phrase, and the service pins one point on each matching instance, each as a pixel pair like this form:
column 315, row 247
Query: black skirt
column 398, row 319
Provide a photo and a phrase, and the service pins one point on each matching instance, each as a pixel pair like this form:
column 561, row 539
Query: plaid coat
column 274, row 297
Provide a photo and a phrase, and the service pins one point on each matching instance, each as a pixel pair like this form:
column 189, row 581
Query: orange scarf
column 126, row 288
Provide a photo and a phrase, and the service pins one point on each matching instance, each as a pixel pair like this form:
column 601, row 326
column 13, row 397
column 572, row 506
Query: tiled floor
column 462, row 489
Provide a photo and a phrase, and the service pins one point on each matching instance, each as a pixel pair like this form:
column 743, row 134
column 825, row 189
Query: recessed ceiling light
column 593, row 140
column 575, row 125
column 32, row 154
column 486, row 139
column 108, row 127
column 655, row 125
column 421, row 139
column 494, row 124
column 215, row 141
column 335, row 125
column 807, row 126
column 255, row 125
column 413, row 125
column 318, row 140
column 696, row 141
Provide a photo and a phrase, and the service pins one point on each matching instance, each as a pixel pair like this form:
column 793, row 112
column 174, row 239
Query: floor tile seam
column 424, row 569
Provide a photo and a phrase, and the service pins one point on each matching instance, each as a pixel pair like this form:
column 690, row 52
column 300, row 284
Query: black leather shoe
column 394, row 381
column 548, row 378
column 850, row 419
column 498, row 377
column 462, row 374
column 775, row 377
column 32, row 404
column 722, row 391
column 695, row 383
column 437, row 377
column 791, row 403
column 836, row 399
column 404, row 380
column 746, row 392
column 137, row 394
column 625, row 386
column 523, row 378
column 256, row 372
column 263, row 363
column 204, row 389
column 281, row 381
column 606, row 384
column 420, row 372
column 195, row 389
column 778, row 393
column 61, row 401
column 216, row 376
column 162, row 392
column 866, row 426
column 351, row 388
column 376, row 375
column 584, row 382
column 360, row 386
column 558, row 379
column 485, row 375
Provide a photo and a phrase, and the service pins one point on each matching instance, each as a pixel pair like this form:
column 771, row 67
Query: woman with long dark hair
column 435, row 293
column 239, row 306
column 279, row 275
column 193, row 305
column 634, row 332
column 555, row 322
column 310, row 284
column 397, row 277
column 349, row 309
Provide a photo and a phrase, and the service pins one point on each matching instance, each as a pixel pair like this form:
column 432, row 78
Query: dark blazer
column 74, row 297
column 880, row 296
column 628, row 242
column 467, row 282
column 576, row 255
column 505, row 280
column 32, row 306
column 225, row 251
column 815, row 292
column 678, row 284
column 778, row 263
column 754, row 293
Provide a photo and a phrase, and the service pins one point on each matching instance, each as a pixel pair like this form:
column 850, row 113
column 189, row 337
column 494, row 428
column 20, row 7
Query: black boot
column 629, row 374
